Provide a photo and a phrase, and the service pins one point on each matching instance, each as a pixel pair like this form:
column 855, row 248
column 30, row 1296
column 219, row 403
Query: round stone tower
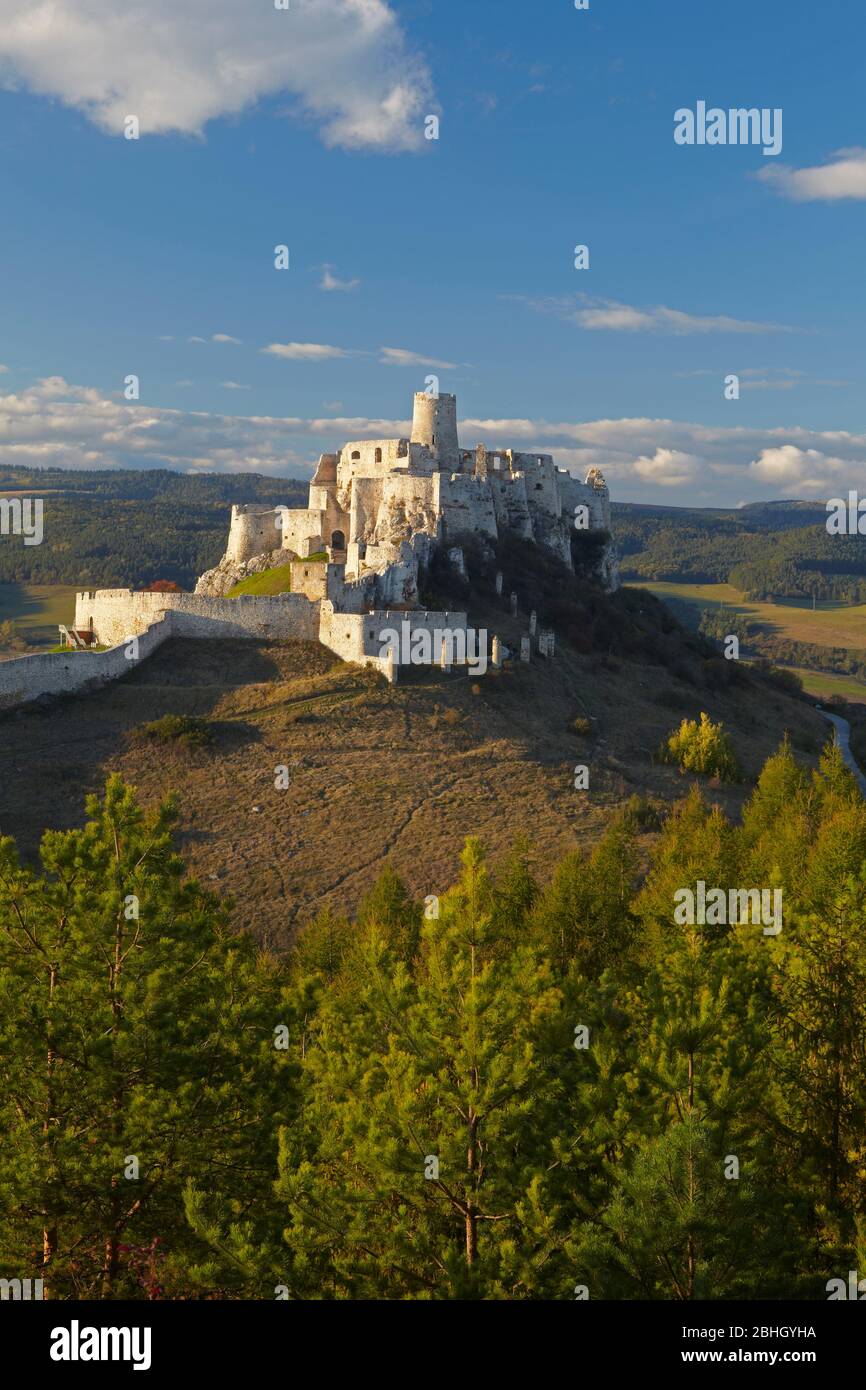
column 434, row 423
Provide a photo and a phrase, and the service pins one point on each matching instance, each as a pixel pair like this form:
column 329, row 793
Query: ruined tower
column 434, row 423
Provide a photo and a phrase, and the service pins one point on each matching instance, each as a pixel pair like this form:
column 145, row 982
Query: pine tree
column 389, row 907
column 132, row 1026
column 696, row 843
column 584, row 918
column 420, row 1137
column 699, row 1206
column 820, row 987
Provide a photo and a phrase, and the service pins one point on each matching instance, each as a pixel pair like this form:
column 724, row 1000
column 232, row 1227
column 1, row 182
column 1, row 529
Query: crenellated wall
column 357, row 637
column 114, row 614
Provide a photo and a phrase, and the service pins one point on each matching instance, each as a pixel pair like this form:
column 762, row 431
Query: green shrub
column 177, row 728
column 701, row 747
column 641, row 813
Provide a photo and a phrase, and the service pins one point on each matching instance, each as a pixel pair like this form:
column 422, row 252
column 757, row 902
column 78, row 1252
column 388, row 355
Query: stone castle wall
column 354, row 637
column 114, row 614
column 357, row 636
column 26, row 678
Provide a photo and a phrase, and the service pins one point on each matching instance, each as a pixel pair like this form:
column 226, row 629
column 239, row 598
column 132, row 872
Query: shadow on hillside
column 221, row 663
column 55, row 752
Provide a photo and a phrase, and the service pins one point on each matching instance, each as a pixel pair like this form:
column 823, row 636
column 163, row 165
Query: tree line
column 128, row 528
column 511, row 1090
column 766, row 552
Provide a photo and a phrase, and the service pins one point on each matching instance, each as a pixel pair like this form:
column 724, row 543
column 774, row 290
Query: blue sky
column 556, row 128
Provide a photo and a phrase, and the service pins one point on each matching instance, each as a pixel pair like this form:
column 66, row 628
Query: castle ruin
column 377, row 510
column 378, row 506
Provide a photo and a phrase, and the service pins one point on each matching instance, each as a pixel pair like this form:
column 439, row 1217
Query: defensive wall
column 26, row 678
column 118, row 614
column 114, row 614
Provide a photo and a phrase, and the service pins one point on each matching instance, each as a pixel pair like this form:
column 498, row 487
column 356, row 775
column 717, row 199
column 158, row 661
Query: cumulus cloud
column 843, row 177
column 224, row 338
column 610, row 315
column 332, row 282
column 788, row 466
column 346, row 64
column 56, row 424
column 703, row 463
column 667, row 467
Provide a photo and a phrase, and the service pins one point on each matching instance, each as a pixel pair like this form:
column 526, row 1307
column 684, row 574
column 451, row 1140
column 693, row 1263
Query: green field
column 36, row 609
column 823, row 684
column 828, row 624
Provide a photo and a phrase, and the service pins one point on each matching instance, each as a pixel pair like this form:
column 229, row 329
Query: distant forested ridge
column 770, row 550
column 128, row 528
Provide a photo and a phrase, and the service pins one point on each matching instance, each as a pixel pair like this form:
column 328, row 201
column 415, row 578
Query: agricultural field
column 823, row 685
column 829, row 624
column 36, row 609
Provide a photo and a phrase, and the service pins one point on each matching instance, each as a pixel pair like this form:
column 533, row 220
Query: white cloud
column 3, row 369
column 305, row 352
column 843, row 177
column 331, row 282
column 705, row 463
column 224, row 338
column 660, row 319
column 196, row 340
column 402, row 357
column 346, row 63
column 54, row 423
column 610, row 315
column 667, row 467
column 789, row 466
column 234, row 386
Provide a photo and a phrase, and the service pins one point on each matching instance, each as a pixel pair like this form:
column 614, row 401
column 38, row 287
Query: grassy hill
column 403, row 773
column 266, row 584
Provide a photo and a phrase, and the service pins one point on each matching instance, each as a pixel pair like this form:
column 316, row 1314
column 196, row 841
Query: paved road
column 843, row 737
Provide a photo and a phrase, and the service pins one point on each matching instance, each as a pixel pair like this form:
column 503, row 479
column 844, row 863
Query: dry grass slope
column 403, row 773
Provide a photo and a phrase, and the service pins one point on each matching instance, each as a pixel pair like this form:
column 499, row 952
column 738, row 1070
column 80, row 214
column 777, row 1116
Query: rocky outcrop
column 217, row 582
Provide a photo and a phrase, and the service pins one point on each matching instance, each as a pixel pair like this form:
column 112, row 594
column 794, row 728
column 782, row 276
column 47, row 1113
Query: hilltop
column 405, row 772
